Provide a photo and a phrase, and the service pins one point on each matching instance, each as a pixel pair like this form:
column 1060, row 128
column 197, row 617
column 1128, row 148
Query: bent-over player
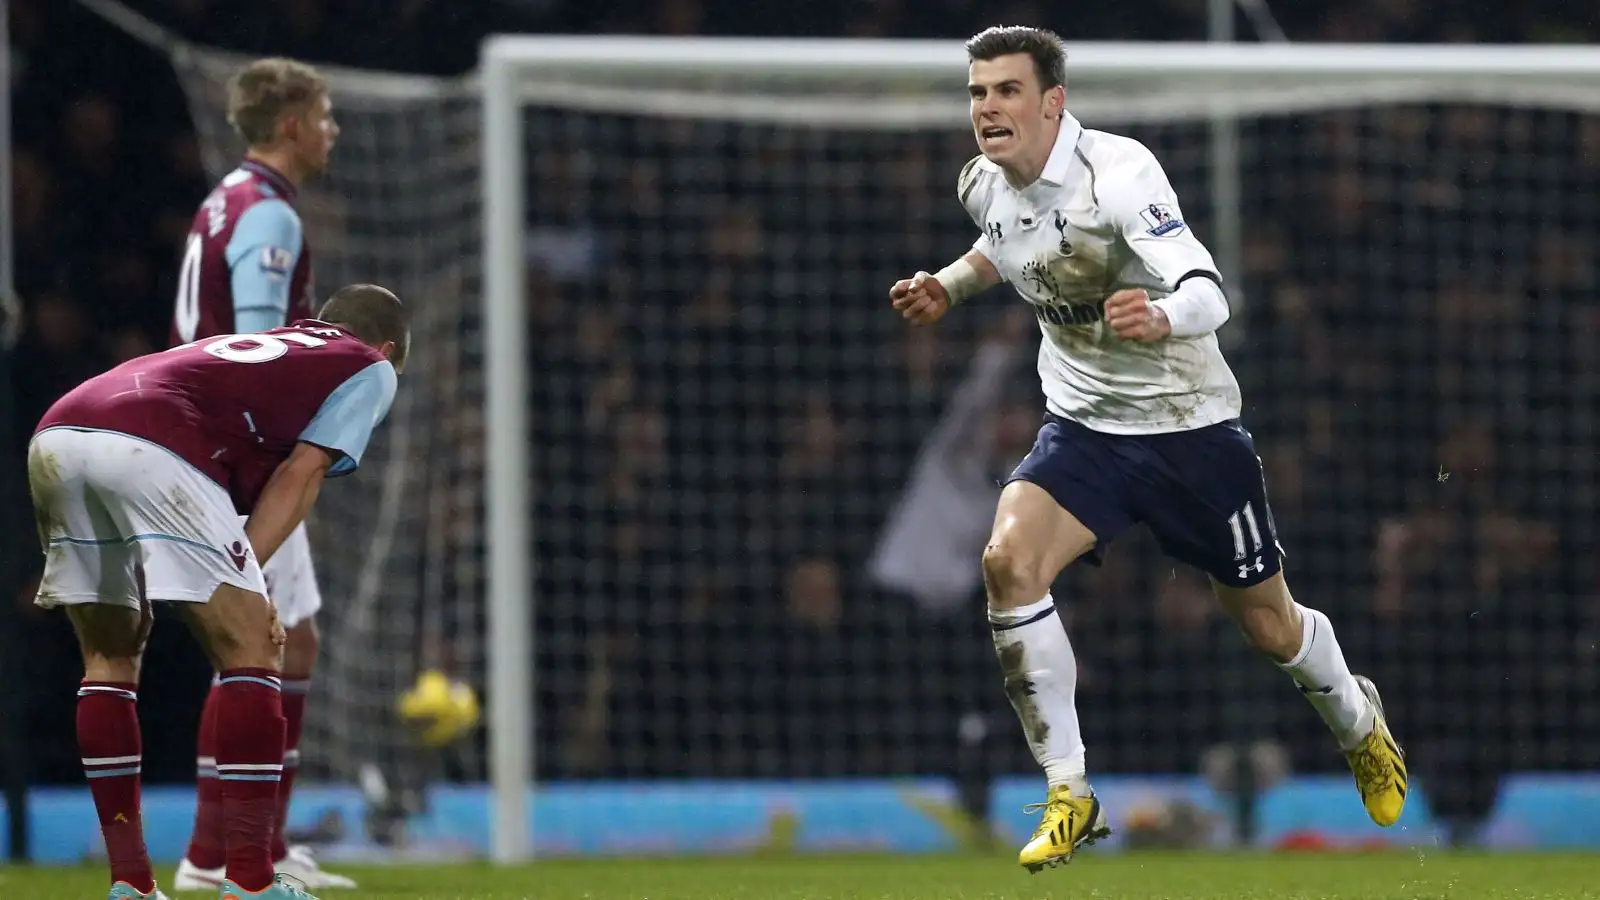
column 139, row 477
column 1142, row 421
column 246, row 268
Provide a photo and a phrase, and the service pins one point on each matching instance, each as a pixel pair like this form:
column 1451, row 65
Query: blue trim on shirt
column 345, row 422
column 262, row 255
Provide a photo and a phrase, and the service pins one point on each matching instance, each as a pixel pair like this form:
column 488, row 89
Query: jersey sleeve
column 345, row 422
column 1144, row 207
column 969, row 187
column 262, row 254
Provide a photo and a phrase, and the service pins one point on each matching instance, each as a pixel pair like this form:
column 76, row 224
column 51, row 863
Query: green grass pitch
column 1427, row 875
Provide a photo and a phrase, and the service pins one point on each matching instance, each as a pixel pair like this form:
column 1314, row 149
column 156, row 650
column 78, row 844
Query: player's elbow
column 1198, row 306
column 306, row 464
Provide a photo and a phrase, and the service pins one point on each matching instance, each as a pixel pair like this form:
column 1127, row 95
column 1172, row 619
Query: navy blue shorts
column 1202, row 492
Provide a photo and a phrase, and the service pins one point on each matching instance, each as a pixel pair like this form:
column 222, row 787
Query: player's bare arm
column 923, row 299
column 287, row 499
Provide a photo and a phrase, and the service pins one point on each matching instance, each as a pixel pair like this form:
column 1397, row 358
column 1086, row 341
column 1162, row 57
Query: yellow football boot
column 1379, row 765
column 1068, row 823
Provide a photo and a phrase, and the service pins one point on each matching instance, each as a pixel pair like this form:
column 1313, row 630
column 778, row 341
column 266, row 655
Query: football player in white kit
column 1142, row 421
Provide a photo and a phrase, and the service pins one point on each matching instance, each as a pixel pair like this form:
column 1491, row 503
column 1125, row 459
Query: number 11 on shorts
column 1241, row 522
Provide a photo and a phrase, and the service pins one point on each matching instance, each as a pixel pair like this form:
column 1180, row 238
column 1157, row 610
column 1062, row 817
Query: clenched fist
column 920, row 298
column 1131, row 315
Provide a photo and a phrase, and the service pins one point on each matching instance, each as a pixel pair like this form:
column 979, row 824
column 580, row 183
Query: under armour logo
column 1246, row 568
column 994, row 231
column 119, row 817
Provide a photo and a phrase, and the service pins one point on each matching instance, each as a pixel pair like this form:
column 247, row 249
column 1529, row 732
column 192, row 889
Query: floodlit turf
column 1410, row 876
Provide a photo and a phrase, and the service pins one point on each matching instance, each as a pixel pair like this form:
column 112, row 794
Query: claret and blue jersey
column 235, row 406
column 246, row 266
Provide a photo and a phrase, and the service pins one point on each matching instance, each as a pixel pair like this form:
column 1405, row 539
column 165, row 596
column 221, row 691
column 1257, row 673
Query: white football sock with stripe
column 1041, row 675
column 1325, row 680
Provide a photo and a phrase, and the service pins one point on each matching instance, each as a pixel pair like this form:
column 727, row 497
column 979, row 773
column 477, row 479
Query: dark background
column 1424, row 306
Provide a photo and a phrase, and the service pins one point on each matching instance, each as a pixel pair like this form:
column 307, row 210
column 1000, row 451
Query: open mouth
column 994, row 134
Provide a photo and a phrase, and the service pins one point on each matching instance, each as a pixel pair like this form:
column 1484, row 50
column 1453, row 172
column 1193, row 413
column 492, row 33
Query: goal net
column 729, row 429
column 397, row 546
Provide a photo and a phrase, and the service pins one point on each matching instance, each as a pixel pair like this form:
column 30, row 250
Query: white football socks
column 1325, row 679
column 1041, row 676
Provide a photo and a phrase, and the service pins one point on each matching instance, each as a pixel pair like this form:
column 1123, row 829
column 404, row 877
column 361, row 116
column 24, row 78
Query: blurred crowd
column 726, row 412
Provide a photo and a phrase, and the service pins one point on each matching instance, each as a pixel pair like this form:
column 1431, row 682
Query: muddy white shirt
column 1102, row 217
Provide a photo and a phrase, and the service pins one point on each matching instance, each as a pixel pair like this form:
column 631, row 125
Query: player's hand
column 1131, row 315
column 920, row 298
column 279, row 636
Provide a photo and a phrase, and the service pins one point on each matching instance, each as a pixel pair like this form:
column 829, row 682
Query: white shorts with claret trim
column 111, row 506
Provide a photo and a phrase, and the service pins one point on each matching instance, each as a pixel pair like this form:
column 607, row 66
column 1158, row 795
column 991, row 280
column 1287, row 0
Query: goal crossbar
column 944, row 60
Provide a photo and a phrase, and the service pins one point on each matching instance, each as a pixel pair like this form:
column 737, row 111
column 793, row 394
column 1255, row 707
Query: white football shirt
column 1102, row 217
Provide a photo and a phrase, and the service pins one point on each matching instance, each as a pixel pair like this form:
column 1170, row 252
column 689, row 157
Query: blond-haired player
column 1142, row 421
column 246, row 268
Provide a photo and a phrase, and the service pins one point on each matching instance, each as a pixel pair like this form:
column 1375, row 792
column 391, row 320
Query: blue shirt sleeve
column 345, row 422
column 262, row 253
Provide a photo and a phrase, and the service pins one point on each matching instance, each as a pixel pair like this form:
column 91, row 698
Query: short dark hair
column 373, row 314
column 1043, row 45
column 261, row 94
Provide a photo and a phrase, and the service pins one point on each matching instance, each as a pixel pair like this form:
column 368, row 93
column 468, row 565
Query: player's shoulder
column 269, row 220
column 975, row 180
column 1112, row 154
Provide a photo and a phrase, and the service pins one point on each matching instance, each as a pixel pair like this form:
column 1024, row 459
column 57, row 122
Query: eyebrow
column 1009, row 82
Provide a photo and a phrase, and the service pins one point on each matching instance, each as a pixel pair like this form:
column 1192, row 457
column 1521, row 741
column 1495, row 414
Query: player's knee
column 117, row 669
column 1013, row 576
column 245, row 649
column 112, row 640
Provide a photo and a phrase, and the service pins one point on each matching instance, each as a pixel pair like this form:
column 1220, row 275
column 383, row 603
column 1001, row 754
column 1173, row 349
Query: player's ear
column 1055, row 100
column 388, row 349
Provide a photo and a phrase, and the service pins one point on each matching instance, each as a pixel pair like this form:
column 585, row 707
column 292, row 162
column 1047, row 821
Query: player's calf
column 112, row 639
column 1267, row 616
column 240, row 632
column 1301, row 641
column 299, row 661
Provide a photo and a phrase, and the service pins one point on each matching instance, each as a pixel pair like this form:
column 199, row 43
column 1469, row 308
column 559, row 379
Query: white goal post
column 884, row 86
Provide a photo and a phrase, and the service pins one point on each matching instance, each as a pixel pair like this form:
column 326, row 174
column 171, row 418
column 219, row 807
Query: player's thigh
column 235, row 628
column 90, row 558
column 1204, row 495
column 291, row 580
column 1060, row 503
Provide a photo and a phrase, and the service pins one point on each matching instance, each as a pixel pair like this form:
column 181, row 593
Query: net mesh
column 726, row 415
column 397, row 546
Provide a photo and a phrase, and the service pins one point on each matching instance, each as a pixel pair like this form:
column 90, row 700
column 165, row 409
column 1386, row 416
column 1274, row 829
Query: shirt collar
column 1059, row 166
column 278, row 180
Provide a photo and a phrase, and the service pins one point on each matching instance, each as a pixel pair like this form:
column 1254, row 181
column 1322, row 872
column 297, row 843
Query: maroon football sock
column 250, row 734
column 112, row 750
column 205, row 844
column 294, row 716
